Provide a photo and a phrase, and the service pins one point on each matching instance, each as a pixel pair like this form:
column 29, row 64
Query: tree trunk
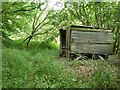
column 29, row 41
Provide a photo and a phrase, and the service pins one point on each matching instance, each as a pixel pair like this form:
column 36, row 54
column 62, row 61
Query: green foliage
column 96, row 14
column 47, row 71
column 24, row 68
column 103, row 79
column 18, row 18
column 16, row 70
column 13, row 14
column 95, row 73
column 40, row 66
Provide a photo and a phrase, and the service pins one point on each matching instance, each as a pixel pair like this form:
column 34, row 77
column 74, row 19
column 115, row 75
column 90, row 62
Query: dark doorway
column 62, row 42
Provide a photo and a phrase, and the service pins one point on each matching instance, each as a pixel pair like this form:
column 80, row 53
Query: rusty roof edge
column 88, row 27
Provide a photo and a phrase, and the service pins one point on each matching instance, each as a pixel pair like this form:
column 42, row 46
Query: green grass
column 95, row 73
column 37, row 66
column 40, row 66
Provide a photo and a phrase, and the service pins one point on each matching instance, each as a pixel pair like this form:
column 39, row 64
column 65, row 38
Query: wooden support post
column 68, row 43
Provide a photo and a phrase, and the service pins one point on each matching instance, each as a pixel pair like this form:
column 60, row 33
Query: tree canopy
column 30, row 20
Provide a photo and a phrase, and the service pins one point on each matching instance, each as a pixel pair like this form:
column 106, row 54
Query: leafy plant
column 40, row 67
column 103, row 79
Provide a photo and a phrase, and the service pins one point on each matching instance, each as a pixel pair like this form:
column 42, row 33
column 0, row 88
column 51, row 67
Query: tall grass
column 37, row 66
column 40, row 66
column 16, row 69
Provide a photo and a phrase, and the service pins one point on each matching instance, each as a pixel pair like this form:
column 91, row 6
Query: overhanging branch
column 22, row 9
column 15, row 3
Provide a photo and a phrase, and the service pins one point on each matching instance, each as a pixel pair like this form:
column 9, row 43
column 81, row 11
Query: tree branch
column 38, row 34
column 40, row 15
column 42, row 33
column 86, row 17
column 22, row 9
column 44, row 24
column 25, row 39
column 79, row 16
column 15, row 3
column 41, row 22
column 28, row 41
column 96, row 17
column 34, row 22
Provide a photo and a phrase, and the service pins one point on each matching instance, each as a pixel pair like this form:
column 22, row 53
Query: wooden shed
column 88, row 40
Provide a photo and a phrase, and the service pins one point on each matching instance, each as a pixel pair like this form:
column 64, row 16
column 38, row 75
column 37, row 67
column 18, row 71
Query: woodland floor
column 41, row 66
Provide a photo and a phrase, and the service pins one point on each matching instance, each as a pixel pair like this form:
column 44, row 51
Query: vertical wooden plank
column 60, row 43
column 68, row 43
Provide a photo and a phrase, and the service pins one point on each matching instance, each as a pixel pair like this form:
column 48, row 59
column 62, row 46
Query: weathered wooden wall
column 91, row 42
column 86, row 40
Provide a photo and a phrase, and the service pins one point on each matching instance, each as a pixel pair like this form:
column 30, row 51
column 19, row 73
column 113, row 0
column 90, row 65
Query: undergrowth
column 40, row 66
